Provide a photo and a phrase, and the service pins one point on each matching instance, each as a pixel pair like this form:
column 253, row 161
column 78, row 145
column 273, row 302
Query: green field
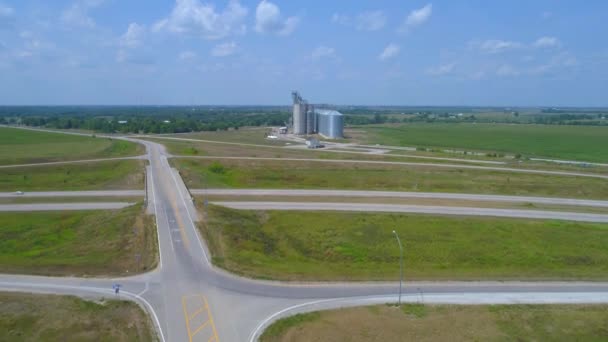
column 104, row 175
column 199, row 173
column 81, row 243
column 18, row 146
column 417, row 322
column 585, row 143
column 42, row 318
column 251, row 135
column 360, row 246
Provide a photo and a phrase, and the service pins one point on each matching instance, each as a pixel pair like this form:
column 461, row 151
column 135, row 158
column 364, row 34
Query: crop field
column 199, row 173
column 561, row 142
column 18, row 146
column 84, row 243
column 45, row 318
column 417, row 322
column 360, row 246
column 104, row 175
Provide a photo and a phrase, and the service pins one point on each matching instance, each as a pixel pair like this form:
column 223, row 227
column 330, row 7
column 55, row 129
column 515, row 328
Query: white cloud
column 442, row 69
column 391, row 51
column 196, row 18
column 506, row 70
column 133, row 37
column 323, row 52
column 341, row 19
column 268, row 19
column 223, row 50
column 497, row 46
column 560, row 61
column 371, row 21
column 547, row 42
column 78, row 13
column 417, row 17
column 186, row 55
column 6, row 11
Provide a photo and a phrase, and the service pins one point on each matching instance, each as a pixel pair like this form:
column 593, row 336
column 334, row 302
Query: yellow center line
column 180, row 224
column 186, row 316
column 211, row 320
column 200, row 328
column 197, row 313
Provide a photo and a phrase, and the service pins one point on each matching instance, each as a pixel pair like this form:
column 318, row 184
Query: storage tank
column 311, row 122
column 299, row 114
column 330, row 123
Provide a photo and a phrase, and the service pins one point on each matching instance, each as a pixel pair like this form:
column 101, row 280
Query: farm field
column 37, row 317
column 198, row 173
column 103, row 175
column 19, row 146
column 551, row 141
column 318, row 246
column 81, row 243
column 417, row 322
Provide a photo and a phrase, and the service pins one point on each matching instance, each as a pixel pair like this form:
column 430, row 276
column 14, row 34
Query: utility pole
column 400, row 264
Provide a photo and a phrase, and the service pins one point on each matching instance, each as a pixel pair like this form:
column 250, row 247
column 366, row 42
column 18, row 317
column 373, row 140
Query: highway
column 397, row 194
column 190, row 300
column 438, row 165
column 58, row 194
column 64, row 206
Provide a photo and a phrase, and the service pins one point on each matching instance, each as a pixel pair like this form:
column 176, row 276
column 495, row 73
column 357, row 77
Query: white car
column 18, row 192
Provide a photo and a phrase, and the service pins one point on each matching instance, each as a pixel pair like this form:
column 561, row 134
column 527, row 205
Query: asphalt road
column 418, row 209
column 64, row 206
column 448, row 166
column 56, row 194
column 189, row 300
column 397, row 194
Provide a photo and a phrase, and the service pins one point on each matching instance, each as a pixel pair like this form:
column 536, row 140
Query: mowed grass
column 585, row 143
column 246, row 135
column 83, row 243
column 19, row 146
column 103, row 175
column 266, row 174
column 41, row 318
column 417, row 322
column 360, row 246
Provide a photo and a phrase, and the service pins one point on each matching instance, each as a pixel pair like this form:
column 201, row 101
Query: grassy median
column 104, row 175
column 417, row 322
column 335, row 175
column 19, row 146
column 83, row 243
column 30, row 317
column 360, row 246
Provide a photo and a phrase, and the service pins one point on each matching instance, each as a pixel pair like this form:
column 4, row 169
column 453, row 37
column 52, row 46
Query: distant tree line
column 164, row 120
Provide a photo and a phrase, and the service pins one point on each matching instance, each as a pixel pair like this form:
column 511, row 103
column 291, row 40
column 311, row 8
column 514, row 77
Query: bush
column 217, row 168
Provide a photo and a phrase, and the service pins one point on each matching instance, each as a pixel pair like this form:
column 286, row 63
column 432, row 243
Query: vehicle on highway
column 19, row 192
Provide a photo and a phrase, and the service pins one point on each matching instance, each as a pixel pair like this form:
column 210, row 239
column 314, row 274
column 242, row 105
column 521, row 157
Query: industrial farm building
column 309, row 120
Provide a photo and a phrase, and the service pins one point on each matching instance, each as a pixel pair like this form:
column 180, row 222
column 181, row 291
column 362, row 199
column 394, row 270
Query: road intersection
column 190, row 300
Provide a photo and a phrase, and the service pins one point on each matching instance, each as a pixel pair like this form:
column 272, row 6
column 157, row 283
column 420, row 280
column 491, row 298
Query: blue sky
column 407, row 52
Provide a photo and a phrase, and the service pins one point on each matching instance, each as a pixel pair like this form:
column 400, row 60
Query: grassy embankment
column 318, row 175
column 417, row 322
column 18, row 146
column 247, row 135
column 360, row 246
column 32, row 317
column 104, row 175
column 584, row 143
column 84, row 243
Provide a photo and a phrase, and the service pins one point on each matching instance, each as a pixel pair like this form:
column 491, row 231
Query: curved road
column 192, row 301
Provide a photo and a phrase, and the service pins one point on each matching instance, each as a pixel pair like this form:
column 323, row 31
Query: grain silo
column 299, row 114
column 330, row 123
